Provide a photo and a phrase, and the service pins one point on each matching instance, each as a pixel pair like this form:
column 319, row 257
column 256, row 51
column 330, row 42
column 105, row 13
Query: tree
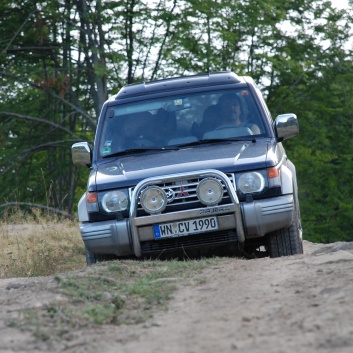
column 47, row 105
column 60, row 60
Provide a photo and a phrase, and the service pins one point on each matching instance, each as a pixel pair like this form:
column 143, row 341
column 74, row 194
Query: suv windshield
column 180, row 120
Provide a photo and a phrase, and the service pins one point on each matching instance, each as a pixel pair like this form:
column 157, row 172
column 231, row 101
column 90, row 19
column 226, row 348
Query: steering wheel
column 226, row 127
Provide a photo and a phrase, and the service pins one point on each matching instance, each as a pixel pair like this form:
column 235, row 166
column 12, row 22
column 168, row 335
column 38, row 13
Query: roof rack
column 173, row 83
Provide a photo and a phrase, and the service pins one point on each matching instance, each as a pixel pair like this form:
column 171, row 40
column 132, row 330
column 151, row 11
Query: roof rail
column 173, row 83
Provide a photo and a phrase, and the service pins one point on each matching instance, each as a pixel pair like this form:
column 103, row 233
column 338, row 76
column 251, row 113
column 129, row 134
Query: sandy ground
column 293, row 304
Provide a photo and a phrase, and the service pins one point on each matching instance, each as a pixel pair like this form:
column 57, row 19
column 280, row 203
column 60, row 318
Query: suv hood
column 127, row 171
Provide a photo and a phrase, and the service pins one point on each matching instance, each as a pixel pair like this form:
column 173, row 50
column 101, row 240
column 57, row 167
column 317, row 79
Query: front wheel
column 287, row 241
column 91, row 258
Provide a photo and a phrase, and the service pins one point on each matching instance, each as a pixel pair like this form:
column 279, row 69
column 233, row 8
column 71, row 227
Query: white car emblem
column 170, row 195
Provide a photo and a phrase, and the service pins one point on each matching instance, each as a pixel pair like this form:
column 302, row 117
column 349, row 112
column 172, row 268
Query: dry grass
column 111, row 293
column 39, row 245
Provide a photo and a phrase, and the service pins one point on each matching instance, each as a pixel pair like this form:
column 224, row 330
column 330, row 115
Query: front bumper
column 107, row 237
column 116, row 237
column 264, row 216
column 237, row 222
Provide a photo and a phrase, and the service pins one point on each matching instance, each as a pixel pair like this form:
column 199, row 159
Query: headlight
column 210, row 191
column 153, row 199
column 115, row 201
column 251, row 182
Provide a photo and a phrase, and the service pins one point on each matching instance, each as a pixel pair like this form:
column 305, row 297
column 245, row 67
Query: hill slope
column 292, row 304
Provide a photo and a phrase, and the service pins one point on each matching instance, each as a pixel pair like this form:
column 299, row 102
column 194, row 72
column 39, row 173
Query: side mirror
column 286, row 126
column 81, row 153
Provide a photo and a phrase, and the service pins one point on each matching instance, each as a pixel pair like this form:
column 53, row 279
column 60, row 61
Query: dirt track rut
column 293, row 304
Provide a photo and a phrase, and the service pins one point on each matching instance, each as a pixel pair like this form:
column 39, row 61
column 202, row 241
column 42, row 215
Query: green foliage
column 322, row 153
column 59, row 61
column 114, row 293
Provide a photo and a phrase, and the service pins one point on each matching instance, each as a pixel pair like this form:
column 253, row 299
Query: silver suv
column 189, row 165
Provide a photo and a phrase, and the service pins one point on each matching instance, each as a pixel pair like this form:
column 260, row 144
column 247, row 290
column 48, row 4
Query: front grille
column 182, row 194
column 184, row 242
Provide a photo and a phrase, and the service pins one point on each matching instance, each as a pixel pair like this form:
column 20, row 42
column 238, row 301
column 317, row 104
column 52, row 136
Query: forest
column 61, row 59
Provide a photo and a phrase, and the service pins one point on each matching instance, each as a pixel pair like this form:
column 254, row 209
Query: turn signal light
column 92, row 202
column 92, row 197
column 272, row 172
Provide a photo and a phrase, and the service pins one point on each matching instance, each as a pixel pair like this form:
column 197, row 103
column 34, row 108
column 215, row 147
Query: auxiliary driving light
column 210, row 191
column 153, row 199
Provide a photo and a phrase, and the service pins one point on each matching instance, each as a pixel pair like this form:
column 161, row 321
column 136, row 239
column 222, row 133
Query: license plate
column 180, row 228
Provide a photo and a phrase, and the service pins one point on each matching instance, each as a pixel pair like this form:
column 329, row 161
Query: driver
column 230, row 109
column 232, row 113
column 227, row 112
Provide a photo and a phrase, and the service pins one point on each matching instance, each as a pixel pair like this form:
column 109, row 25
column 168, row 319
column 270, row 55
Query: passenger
column 129, row 132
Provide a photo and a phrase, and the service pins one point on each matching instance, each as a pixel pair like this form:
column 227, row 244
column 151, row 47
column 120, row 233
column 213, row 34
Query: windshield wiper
column 217, row 140
column 139, row 150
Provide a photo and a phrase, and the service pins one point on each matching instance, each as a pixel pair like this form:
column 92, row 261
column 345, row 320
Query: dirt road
column 292, row 304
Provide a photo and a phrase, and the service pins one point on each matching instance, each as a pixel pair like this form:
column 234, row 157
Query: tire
column 92, row 259
column 287, row 241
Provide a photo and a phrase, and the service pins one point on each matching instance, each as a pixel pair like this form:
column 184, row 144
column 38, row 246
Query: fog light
column 210, row 191
column 153, row 199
